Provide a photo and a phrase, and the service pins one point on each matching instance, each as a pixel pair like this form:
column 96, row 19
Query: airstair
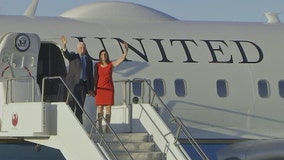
column 142, row 133
column 139, row 145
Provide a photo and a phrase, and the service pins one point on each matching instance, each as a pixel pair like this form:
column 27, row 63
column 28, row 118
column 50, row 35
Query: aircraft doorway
column 51, row 63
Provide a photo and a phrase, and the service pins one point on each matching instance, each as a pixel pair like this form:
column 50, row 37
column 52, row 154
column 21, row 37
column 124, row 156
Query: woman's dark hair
column 107, row 59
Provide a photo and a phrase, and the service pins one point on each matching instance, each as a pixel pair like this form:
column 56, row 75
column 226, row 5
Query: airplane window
column 159, row 87
column 263, row 88
column 180, row 87
column 222, row 88
column 137, row 88
column 281, row 88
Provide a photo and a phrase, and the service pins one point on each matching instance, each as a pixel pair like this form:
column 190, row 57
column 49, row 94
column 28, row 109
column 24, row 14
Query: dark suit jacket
column 73, row 76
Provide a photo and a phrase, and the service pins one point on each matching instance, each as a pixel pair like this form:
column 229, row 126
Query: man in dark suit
column 79, row 78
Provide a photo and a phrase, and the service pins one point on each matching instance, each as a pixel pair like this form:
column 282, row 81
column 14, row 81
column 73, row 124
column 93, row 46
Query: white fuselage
column 200, row 54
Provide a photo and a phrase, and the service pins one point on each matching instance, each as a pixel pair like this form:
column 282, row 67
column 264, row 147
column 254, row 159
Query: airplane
column 222, row 80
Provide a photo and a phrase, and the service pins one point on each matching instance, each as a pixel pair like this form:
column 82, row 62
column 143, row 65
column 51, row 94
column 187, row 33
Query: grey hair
column 80, row 43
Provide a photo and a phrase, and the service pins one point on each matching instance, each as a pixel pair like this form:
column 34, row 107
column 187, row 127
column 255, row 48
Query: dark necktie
column 83, row 60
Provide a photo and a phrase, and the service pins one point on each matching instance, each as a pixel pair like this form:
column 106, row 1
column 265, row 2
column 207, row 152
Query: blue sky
column 212, row 10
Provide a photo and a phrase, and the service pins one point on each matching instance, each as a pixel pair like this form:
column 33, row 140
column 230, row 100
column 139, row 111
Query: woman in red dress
column 104, row 89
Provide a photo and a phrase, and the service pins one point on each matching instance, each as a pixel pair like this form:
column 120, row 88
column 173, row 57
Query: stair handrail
column 125, row 81
column 181, row 126
column 87, row 116
column 113, row 132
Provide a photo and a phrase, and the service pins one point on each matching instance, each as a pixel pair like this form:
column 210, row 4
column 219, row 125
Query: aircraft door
column 18, row 54
column 18, row 61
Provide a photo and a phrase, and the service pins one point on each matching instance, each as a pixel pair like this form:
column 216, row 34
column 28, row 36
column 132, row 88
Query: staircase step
column 138, row 146
column 126, row 137
column 140, row 155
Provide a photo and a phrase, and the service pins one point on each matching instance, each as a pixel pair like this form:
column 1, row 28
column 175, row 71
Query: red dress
column 105, row 88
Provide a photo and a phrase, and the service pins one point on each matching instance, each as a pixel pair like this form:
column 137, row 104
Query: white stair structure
column 24, row 114
column 140, row 146
column 56, row 131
